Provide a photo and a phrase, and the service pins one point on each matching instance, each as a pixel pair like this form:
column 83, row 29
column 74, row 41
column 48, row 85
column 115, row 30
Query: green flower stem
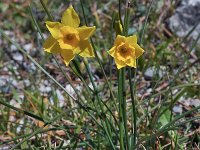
column 120, row 13
column 126, row 19
column 106, row 124
column 80, row 76
column 133, row 84
column 96, row 92
column 101, row 66
column 125, row 32
column 124, row 137
column 121, row 104
column 122, row 108
column 35, row 22
column 134, row 116
column 145, row 23
column 46, row 10
column 96, row 55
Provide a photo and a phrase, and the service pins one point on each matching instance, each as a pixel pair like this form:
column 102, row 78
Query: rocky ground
column 18, row 74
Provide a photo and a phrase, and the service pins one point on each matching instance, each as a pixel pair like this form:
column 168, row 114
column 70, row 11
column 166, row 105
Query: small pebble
column 13, row 48
column 18, row 56
column 28, row 47
column 178, row 109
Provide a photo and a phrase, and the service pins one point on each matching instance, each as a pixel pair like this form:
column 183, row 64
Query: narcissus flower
column 67, row 38
column 125, row 51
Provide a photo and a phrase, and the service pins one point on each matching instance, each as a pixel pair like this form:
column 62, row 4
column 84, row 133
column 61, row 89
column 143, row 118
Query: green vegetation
column 90, row 104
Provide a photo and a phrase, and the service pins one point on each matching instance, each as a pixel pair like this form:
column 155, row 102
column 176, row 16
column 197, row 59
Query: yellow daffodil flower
column 67, row 38
column 125, row 51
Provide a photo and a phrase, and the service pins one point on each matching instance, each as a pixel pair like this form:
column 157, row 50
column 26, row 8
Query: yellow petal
column 119, row 63
column 112, row 51
column 124, row 52
column 54, row 28
column 138, row 50
column 131, row 62
column 70, row 39
column 51, row 45
column 68, row 30
column 131, row 39
column 86, row 49
column 70, row 18
column 64, row 45
column 119, row 39
column 67, row 56
column 85, row 32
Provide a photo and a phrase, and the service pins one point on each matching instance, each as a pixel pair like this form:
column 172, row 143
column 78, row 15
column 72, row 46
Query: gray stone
column 18, row 84
column 4, row 84
column 152, row 71
column 27, row 83
column 192, row 102
column 60, row 95
column 30, row 67
column 18, row 56
column 15, row 103
column 13, row 48
column 33, row 67
column 1, row 40
column 195, row 102
column 178, row 109
column 3, row 81
column 186, row 16
column 44, row 89
column 69, row 89
column 28, row 47
column 60, row 98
